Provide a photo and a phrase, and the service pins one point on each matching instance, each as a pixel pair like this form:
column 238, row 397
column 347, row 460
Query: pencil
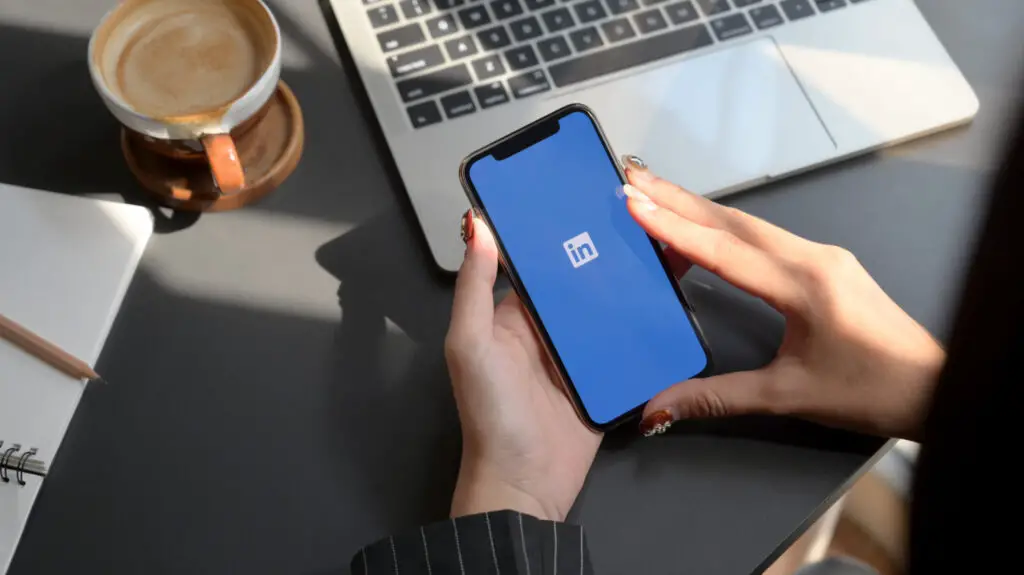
column 44, row 350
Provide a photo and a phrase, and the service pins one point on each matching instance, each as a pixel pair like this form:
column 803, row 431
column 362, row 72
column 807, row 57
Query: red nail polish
column 466, row 226
column 656, row 423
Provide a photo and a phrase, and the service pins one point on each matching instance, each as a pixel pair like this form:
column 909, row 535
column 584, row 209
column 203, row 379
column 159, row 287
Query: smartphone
column 597, row 288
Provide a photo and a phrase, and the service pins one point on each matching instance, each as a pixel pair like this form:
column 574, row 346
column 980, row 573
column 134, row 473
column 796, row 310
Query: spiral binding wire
column 21, row 464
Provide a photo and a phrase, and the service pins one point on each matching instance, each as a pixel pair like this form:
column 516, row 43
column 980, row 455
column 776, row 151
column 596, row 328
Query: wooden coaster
column 270, row 150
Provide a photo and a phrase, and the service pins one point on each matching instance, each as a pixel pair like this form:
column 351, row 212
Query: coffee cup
column 186, row 73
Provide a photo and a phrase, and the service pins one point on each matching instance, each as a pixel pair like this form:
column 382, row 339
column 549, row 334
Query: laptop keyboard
column 453, row 58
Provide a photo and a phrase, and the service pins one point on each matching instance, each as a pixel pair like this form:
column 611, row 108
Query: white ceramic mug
column 226, row 54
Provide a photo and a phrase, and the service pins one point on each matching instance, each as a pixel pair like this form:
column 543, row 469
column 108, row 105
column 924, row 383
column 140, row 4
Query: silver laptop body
column 717, row 95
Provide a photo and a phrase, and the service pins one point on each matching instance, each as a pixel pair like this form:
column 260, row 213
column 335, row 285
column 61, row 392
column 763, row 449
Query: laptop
column 716, row 95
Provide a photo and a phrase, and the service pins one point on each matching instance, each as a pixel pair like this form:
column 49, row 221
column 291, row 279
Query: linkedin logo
column 580, row 250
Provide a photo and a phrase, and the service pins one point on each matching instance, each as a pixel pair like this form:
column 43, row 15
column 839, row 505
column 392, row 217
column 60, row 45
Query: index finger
column 719, row 251
column 708, row 213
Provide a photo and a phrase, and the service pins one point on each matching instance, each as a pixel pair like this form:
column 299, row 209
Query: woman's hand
column 523, row 446
column 850, row 356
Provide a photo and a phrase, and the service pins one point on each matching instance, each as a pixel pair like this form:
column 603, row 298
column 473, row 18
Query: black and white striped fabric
column 499, row 543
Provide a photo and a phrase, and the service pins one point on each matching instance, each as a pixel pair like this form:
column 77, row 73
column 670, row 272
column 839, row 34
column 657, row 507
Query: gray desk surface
column 278, row 391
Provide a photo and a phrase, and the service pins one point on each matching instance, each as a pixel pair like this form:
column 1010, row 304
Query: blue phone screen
column 608, row 306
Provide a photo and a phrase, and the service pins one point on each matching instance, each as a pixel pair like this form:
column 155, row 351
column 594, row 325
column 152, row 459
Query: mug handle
column 224, row 163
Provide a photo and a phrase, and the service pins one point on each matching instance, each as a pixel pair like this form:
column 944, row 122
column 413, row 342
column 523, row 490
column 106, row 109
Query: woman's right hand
column 850, row 356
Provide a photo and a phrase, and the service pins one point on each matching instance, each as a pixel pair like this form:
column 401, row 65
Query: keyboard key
column 443, row 25
column 745, row 3
column 414, row 61
column 448, row 4
column 525, row 29
column 529, row 84
column 712, row 7
column 630, row 55
column 382, row 16
column 650, row 21
column 797, row 9
column 618, row 30
column 460, row 47
column 491, row 94
column 828, row 5
column 589, row 11
column 622, row 6
column 553, row 48
column 415, row 8
column 586, row 39
column 731, row 26
column 494, row 38
column 488, row 67
column 557, row 20
column 458, row 104
column 434, row 83
column 474, row 16
column 766, row 16
column 399, row 38
column 521, row 57
column 424, row 114
column 506, row 8
column 539, row 4
column 682, row 12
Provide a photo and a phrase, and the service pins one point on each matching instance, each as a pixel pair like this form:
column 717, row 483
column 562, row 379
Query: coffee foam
column 169, row 58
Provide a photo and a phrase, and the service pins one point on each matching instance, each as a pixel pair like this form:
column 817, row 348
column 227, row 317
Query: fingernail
column 637, row 167
column 657, row 423
column 632, row 192
column 466, row 226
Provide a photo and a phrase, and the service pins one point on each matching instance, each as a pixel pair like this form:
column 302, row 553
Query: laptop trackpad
column 716, row 122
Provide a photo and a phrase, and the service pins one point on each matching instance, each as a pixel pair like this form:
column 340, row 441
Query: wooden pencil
column 44, row 350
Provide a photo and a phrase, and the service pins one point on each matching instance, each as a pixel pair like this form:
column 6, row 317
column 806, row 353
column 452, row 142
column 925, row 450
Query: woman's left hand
column 523, row 446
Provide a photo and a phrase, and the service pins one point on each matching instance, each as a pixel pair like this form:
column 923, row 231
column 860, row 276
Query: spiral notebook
column 65, row 264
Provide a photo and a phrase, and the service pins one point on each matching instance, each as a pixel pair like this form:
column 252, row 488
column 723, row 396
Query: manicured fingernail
column 466, row 226
column 632, row 192
column 657, row 423
column 637, row 168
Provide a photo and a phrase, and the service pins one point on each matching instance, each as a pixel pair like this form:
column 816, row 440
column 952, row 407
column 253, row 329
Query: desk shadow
column 287, row 448
column 380, row 278
column 393, row 312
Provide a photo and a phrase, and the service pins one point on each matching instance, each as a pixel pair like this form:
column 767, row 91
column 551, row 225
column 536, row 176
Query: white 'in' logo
column 580, row 250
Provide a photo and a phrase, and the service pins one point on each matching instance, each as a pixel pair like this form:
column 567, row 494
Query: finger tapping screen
column 610, row 310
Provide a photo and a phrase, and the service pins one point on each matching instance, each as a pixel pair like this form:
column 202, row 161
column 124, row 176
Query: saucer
column 269, row 151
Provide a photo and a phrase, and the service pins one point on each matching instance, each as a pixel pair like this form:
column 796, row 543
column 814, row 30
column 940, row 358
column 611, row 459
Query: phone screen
column 610, row 311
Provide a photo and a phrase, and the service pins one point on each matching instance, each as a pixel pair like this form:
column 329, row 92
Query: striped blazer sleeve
column 494, row 543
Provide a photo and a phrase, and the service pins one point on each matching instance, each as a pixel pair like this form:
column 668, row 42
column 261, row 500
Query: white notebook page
column 65, row 264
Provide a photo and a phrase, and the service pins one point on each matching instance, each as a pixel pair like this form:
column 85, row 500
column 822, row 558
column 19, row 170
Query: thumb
column 473, row 307
column 737, row 393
